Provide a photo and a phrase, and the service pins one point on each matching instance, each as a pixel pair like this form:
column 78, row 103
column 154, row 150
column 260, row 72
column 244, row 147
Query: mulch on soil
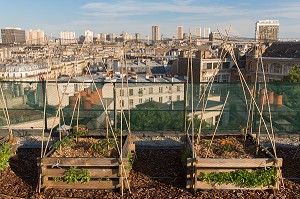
column 82, row 147
column 227, row 147
column 155, row 174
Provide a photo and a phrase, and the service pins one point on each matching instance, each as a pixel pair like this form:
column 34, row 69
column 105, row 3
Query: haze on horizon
column 131, row 16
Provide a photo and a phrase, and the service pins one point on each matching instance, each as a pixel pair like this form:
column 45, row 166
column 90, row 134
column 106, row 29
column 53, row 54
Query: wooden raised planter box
column 105, row 173
column 217, row 165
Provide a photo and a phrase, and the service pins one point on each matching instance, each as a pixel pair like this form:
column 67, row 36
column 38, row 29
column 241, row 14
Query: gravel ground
column 158, row 142
column 155, row 174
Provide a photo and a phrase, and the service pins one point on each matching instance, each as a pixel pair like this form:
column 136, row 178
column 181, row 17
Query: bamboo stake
column 212, row 80
column 219, row 119
column 260, row 113
column 268, row 101
column 6, row 115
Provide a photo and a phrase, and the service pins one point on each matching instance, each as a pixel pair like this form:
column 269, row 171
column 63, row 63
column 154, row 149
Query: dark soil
column 155, row 174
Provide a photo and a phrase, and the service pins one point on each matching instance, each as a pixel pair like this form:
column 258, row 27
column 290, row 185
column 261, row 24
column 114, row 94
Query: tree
column 294, row 75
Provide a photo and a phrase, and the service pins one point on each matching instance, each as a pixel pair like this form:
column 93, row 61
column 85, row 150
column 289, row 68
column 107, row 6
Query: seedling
column 185, row 155
column 227, row 145
column 67, row 141
column 104, row 146
column 243, row 177
column 81, row 130
column 130, row 157
column 57, row 179
column 74, row 175
column 4, row 155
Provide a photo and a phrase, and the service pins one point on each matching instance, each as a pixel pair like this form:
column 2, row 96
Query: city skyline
column 138, row 17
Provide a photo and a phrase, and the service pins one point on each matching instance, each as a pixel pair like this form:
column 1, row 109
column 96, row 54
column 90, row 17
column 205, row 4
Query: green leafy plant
column 130, row 157
column 243, row 177
column 4, row 155
column 227, row 145
column 57, row 179
column 243, row 129
column 75, row 175
column 67, row 141
column 185, row 154
column 80, row 130
column 104, row 146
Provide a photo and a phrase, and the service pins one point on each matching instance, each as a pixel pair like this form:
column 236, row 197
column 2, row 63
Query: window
column 225, row 78
column 170, row 98
column 122, row 103
column 130, row 103
column 226, row 65
column 76, row 87
column 178, row 88
column 215, row 65
column 217, row 78
column 160, row 89
column 209, row 65
column 204, row 66
column 140, row 100
column 150, row 99
column 277, row 68
column 178, row 97
column 121, row 92
column 160, row 99
column 204, row 79
column 130, row 92
column 151, row 90
column 140, row 92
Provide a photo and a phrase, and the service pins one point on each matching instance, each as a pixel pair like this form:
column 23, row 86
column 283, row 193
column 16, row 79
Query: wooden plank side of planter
column 237, row 163
column 62, row 161
column 94, row 173
column 89, row 185
column 211, row 170
column 129, row 145
column 189, row 167
column 205, row 185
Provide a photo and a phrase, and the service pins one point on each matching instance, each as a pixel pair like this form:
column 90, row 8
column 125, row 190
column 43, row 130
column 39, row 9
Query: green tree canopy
column 294, row 75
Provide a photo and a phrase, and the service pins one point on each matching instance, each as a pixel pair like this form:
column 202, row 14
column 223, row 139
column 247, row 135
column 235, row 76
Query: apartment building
column 204, row 66
column 267, row 30
column 155, row 33
column 277, row 60
column 35, row 37
column 13, row 36
column 23, row 71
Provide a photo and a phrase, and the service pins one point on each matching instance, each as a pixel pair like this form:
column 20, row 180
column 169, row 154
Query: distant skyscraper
column 67, row 37
column 35, row 37
column 101, row 37
column 137, row 36
column 198, row 32
column 206, row 33
column 215, row 38
column 267, row 30
column 89, row 35
column 155, row 33
column 13, row 36
column 180, row 32
column 111, row 37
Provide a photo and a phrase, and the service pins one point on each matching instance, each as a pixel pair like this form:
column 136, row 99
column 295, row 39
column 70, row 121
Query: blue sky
column 132, row 16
